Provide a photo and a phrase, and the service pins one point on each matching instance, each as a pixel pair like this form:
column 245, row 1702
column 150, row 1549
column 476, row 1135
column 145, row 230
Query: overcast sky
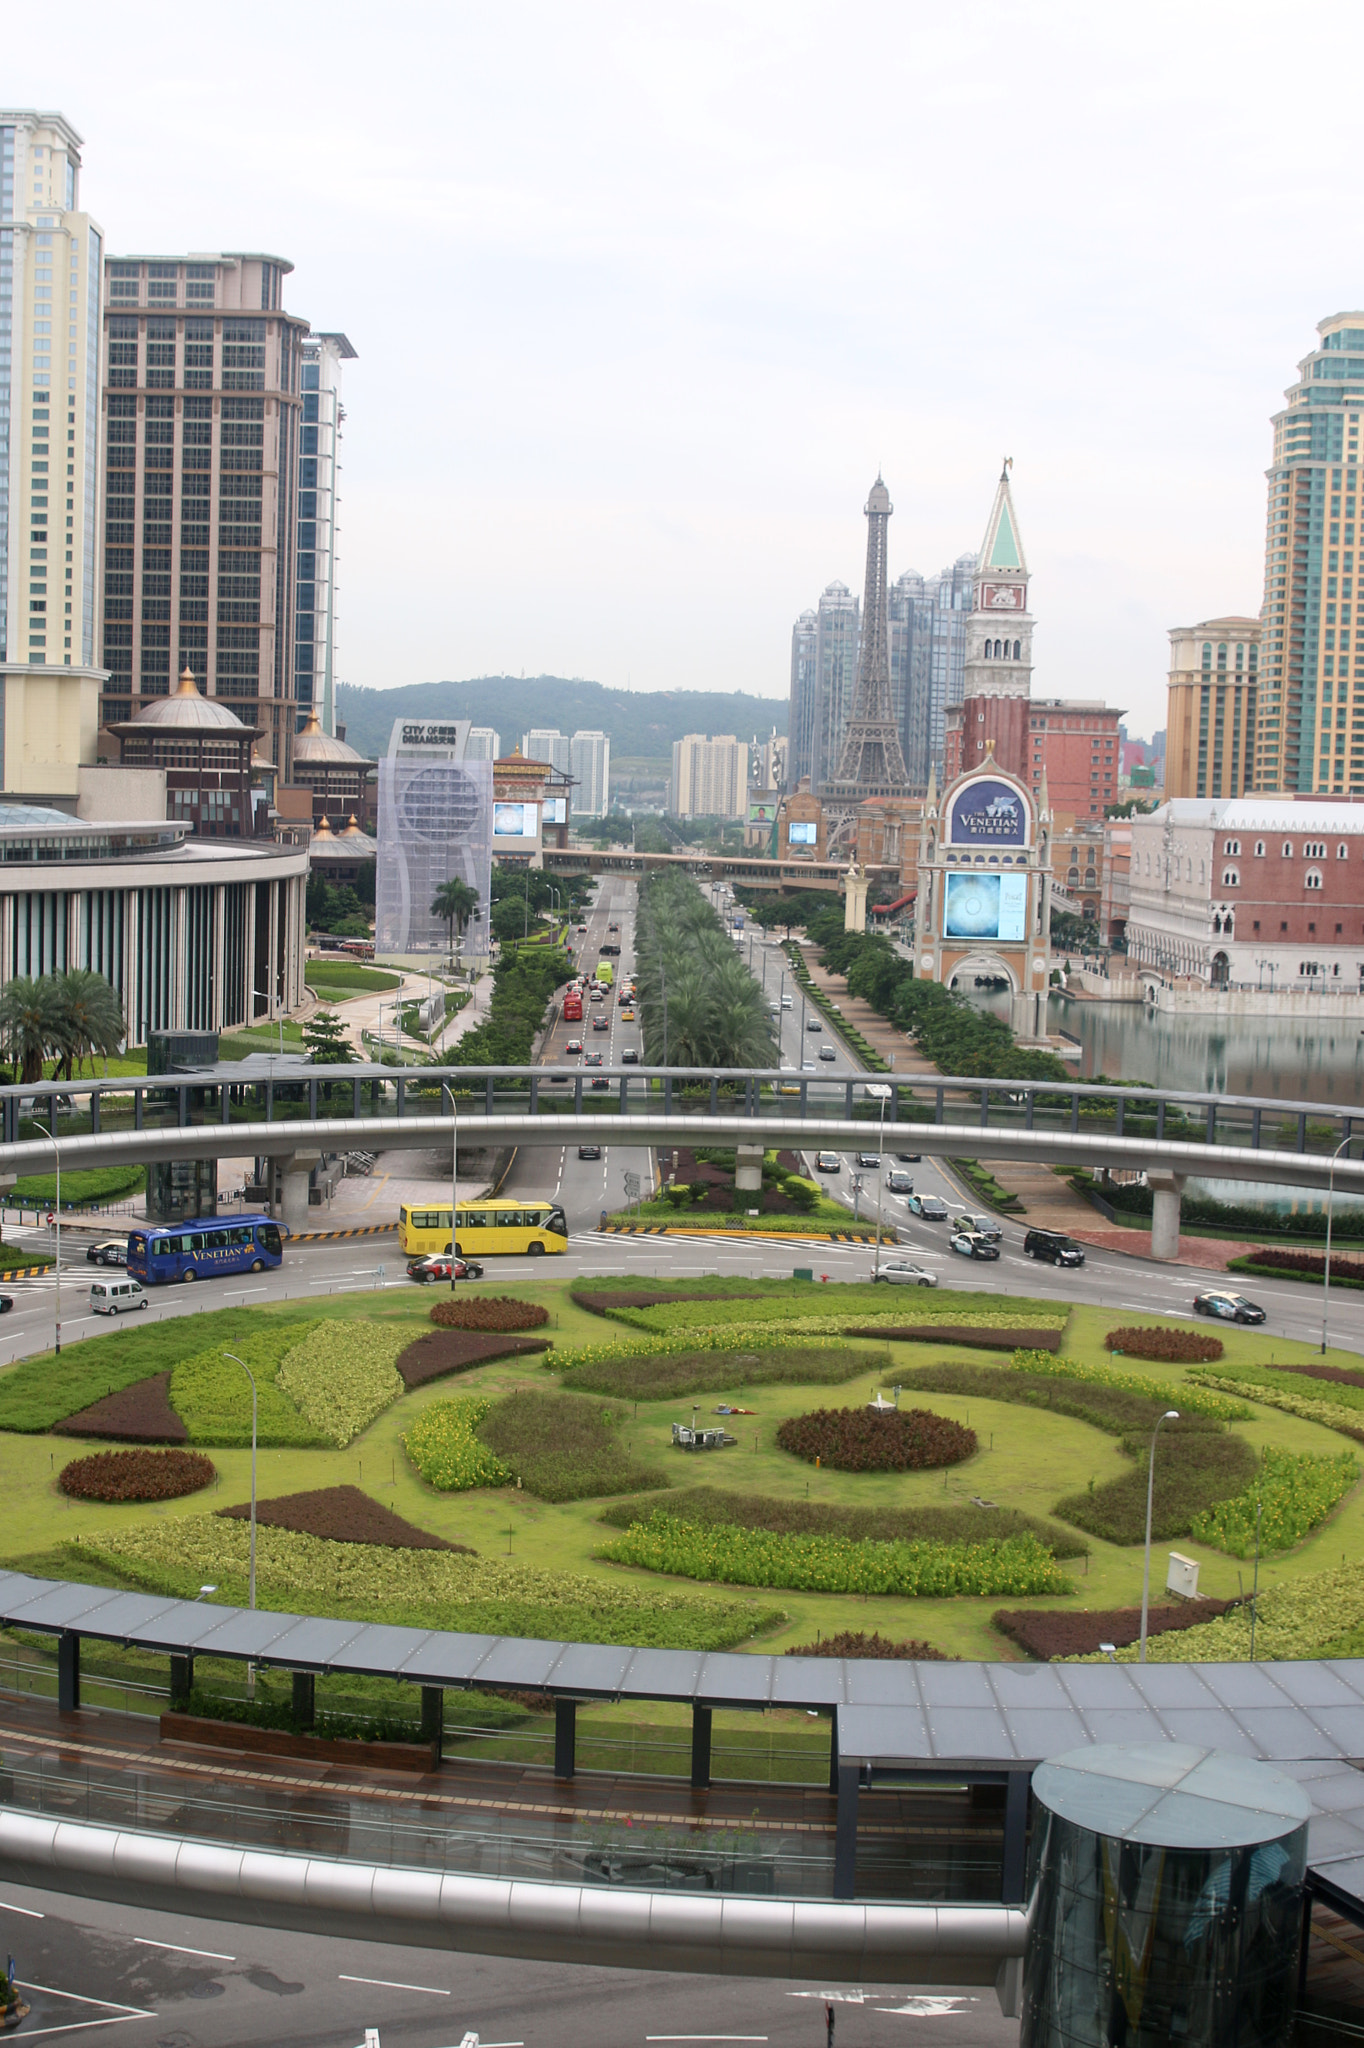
column 643, row 295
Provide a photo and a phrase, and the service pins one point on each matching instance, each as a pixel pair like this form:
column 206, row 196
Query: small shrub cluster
column 1112, row 1409
column 664, row 1374
column 1339, row 1375
column 1046, row 1633
column 342, row 1375
column 995, row 1336
column 730, row 1555
column 855, row 1643
column 341, row 1514
column 139, row 1414
column 1320, row 1616
column 1169, row 1347
column 858, row 1440
column 1195, row 1469
column 438, row 1353
column 1345, row 1272
column 962, row 1522
column 564, row 1446
column 136, row 1475
column 1344, row 1413
column 442, row 1445
column 488, row 1312
column 1189, row 1399
column 213, row 1395
column 1292, row 1493
column 279, row 1714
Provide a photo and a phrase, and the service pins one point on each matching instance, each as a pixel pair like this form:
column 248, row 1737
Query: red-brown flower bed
column 1044, row 1633
column 341, row 1514
column 973, row 1335
column 488, row 1312
column 446, row 1351
column 1339, row 1373
column 1308, row 1262
column 1169, row 1347
column 599, row 1304
column 857, row 1440
column 136, row 1475
column 140, row 1414
column 853, row 1643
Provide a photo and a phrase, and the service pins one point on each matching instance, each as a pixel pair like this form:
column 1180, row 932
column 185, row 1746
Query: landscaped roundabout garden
column 961, row 1479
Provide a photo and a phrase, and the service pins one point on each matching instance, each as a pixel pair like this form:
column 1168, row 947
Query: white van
column 108, row 1297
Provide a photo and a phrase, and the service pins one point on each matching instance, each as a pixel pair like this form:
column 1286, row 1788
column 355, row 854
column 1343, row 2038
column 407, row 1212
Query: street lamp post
column 252, row 1377
column 57, row 1298
column 880, row 1181
column 445, row 1089
column 1326, row 1270
column 266, row 1000
column 1170, row 1415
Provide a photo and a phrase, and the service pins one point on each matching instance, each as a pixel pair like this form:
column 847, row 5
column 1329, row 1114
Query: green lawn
column 1027, row 1459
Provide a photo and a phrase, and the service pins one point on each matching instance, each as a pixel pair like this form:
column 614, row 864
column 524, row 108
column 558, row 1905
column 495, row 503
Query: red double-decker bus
column 573, row 1006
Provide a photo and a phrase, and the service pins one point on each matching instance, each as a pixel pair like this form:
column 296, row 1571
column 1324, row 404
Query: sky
column 645, row 296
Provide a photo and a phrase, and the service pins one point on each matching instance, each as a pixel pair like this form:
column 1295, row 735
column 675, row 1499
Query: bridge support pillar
column 845, row 1831
column 294, row 1172
column 748, row 1169
column 700, row 1749
column 1166, row 1190
column 1014, row 1873
column 305, row 1698
column 181, row 1677
column 433, row 1715
column 68, row 1671
column 565, row 1737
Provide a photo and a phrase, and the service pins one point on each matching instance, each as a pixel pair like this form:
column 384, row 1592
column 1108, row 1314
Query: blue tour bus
column 203, row 1250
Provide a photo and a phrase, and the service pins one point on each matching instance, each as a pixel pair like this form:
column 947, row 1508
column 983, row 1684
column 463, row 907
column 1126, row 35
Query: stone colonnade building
column 195, row 934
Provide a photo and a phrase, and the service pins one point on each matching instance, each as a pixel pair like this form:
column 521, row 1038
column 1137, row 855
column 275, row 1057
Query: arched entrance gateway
column 984, row 903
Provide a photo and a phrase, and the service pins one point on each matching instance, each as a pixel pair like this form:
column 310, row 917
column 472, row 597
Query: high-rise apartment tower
column 50, row 254
column 1309, row 714
column 589, row 760
column 1211, row 726
column 203, row 391
column 315, row 589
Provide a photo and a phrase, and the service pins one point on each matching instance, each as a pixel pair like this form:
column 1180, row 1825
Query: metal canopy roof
column 893, row 1717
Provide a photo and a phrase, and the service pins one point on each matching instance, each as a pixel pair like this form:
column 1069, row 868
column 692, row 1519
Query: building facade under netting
column 435, row 826
column 195, row 934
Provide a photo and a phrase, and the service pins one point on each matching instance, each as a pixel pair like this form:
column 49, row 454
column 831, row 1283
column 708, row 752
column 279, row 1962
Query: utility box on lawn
column 1182, row 1577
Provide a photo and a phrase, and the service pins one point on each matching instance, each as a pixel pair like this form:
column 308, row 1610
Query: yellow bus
column 606, row 974
column 485, row 1229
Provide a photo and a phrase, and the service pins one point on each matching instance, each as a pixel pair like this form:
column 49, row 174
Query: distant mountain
column 640, row 722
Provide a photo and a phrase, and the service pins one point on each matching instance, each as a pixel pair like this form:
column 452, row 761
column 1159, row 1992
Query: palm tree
column 89, row 1019
column 30, row 1021
column 456, row 902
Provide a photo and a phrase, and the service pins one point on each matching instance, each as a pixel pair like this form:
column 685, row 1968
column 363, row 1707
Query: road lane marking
column 387, row 1984
column 178, row 1947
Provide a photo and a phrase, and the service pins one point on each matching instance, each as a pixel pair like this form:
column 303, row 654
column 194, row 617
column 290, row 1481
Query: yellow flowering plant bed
column 343, row 1374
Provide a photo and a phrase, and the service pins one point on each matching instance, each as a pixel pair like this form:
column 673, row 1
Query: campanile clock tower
column 997, row 684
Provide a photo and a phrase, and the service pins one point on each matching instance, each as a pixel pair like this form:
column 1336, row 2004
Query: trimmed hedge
column 1259, row 1263
column 498, row 1312
column 859, row 1440
column 1169, row 1347
column 136, row 1475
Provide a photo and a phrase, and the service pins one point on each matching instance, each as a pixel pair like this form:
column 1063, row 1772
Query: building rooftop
column 314, row 748
column 186, row 710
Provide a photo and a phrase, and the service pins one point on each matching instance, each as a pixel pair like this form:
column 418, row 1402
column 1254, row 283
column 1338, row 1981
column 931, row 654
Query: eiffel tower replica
column 872, row 762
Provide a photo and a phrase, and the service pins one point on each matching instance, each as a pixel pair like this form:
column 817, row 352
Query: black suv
column 1055, row 1246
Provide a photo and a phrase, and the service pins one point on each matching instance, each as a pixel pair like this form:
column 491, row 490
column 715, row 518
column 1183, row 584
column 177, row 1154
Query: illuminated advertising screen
column 515, row 821
column 761, row 814
column 803, row 835
column 986, row 907
column 556, row 810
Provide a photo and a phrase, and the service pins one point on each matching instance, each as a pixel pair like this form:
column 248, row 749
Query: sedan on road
column 826, row 1052
column 898, row 1183
column 931, row 1207
column 110, row 1251
column 909, row 1158
column 828, row 1162
column 904, row 1273
column 813, row 1024
column 983, row 1226
column 601, row 1023
column 1231, row 1308
column 630, row 1056
column 574, row 1045
column 971, row 1245
column 869, row 1159
column 589, row 1151
column 437, row 1267
column 594, row 1059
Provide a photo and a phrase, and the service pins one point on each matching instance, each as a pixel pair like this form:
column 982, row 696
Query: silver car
column 903, row 1273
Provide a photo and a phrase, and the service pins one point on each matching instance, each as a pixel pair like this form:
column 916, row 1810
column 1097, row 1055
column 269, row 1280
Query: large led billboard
column 986, row 907
column 800, row 834
column 556, row 810
column 515, row 821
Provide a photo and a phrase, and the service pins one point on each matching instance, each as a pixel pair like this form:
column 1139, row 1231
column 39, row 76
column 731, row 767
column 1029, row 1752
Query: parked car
column 1231, row 1308
column 904, row 1273
column 931, row 1207
column 437, row 1267
column 969, row 1244
column 589, row 1151
column 828, row 1162
column 574, row 1045
column 1055, row 1247
column 826, row 1052
column 899, row 1183
column 630, row 1056
column 871, row 1159
column 813, row 1024
column 110, row 1251
column 983, row 1226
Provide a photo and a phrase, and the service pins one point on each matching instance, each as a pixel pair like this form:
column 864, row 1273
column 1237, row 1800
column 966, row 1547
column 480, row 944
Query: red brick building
column 1075, row 743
